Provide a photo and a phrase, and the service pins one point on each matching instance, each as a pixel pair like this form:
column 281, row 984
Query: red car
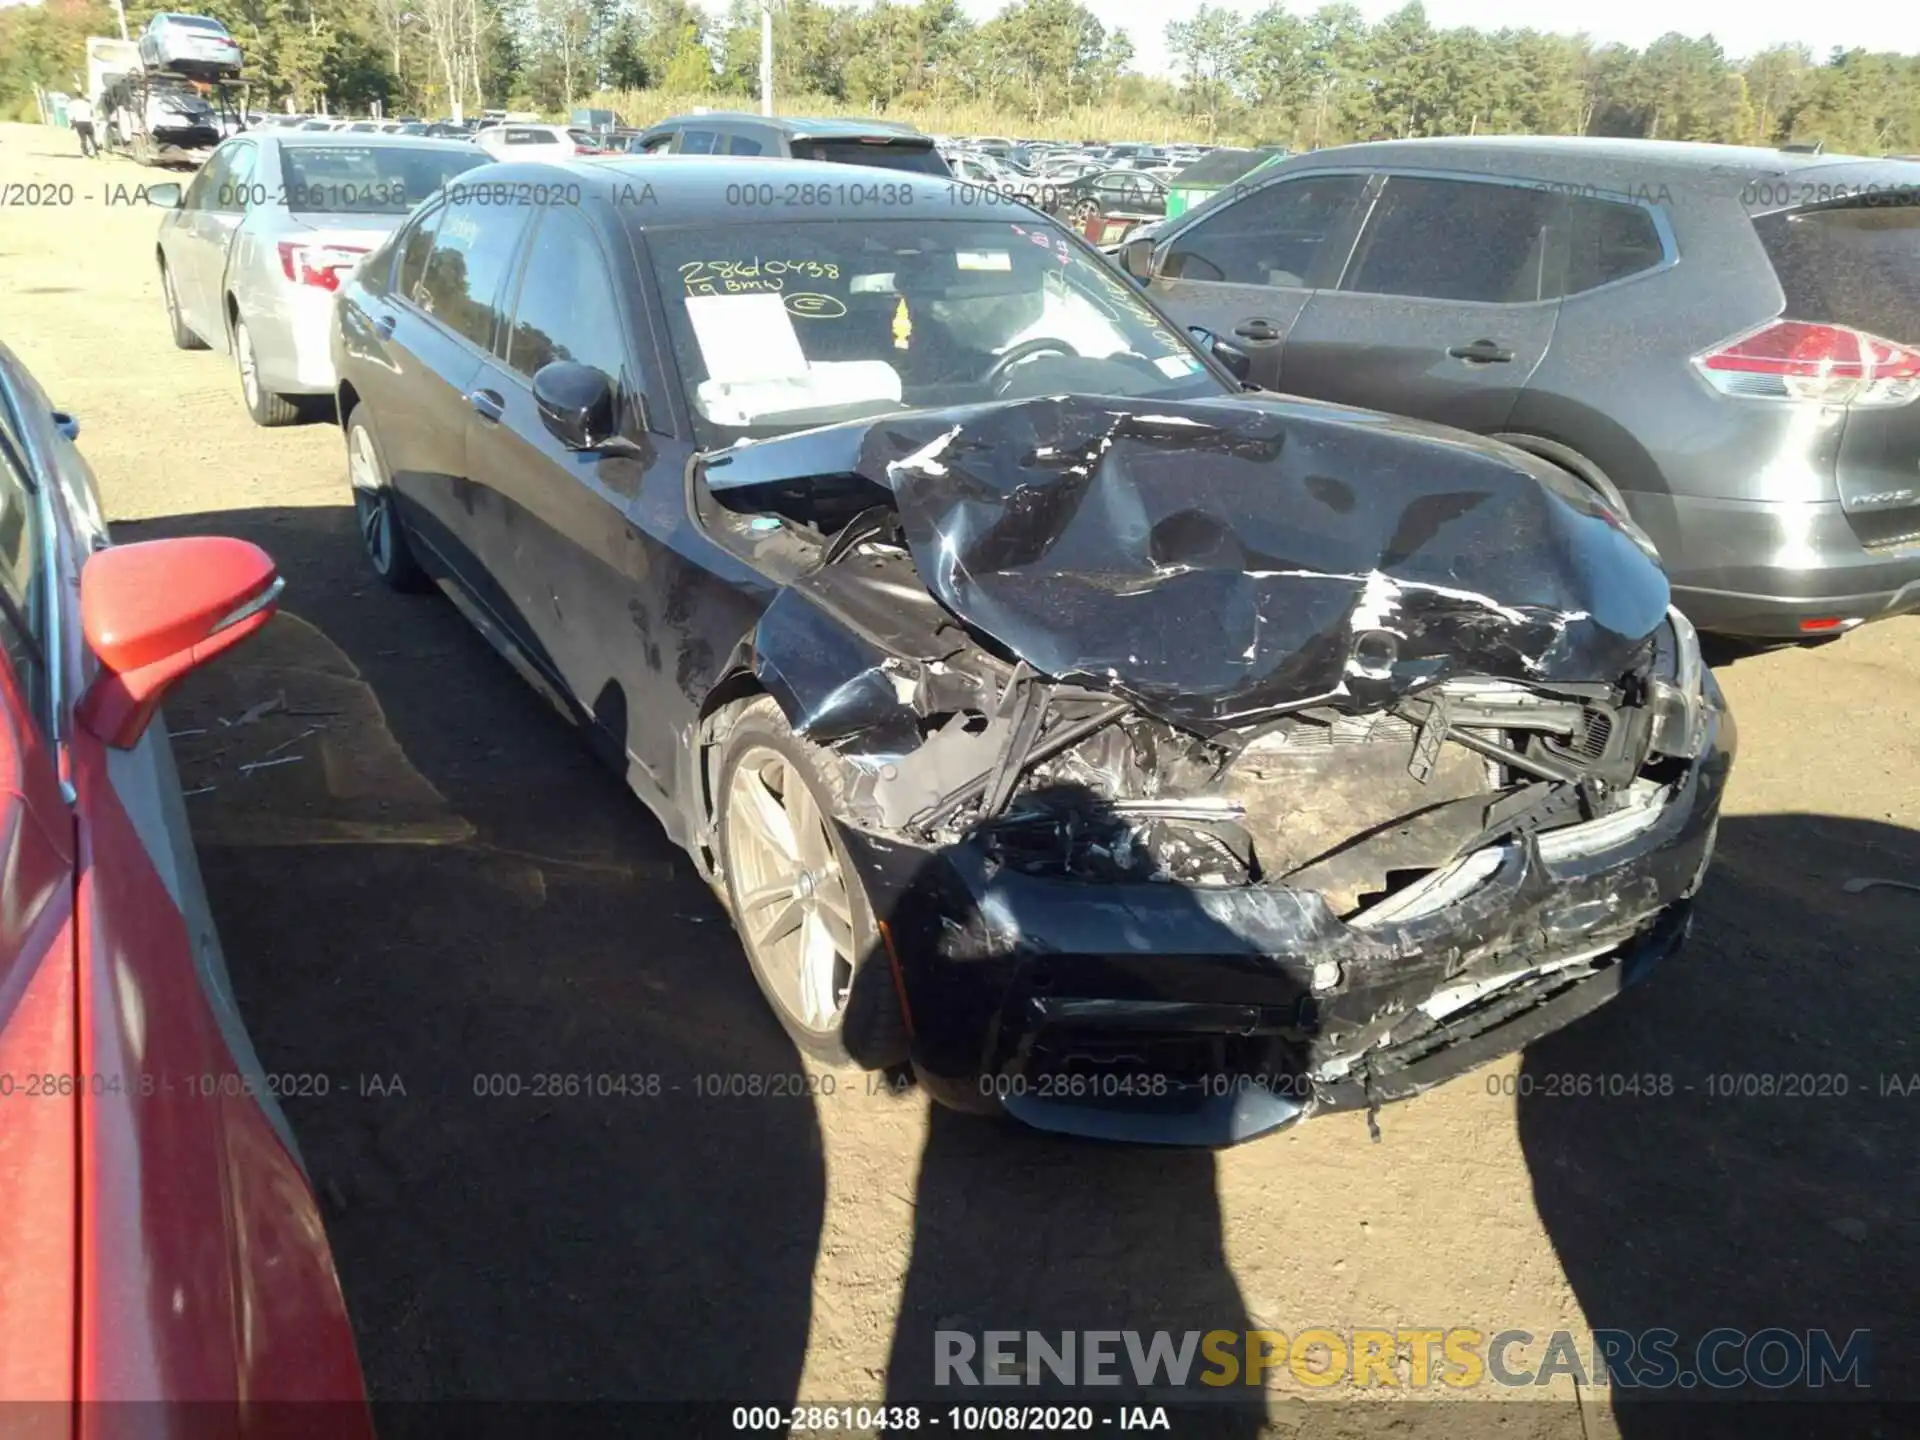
column 159, row 1239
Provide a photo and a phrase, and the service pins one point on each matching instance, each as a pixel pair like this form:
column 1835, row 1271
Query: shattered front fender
column 828, row 681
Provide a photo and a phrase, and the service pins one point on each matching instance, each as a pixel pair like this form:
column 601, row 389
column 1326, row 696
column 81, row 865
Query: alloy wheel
column 795, row 910
column 249, row 369
column 371, row 505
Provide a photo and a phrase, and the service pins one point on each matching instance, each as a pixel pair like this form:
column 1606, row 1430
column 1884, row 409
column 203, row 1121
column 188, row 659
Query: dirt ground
column 443, row 886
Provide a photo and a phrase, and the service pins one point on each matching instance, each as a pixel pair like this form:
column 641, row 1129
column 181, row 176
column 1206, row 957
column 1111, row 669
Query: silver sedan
column 253, row 251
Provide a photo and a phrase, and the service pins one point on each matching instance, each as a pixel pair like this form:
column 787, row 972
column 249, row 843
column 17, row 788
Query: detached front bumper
column 1168, row 1014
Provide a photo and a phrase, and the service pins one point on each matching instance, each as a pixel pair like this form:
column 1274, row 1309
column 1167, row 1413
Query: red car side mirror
column 155, row 610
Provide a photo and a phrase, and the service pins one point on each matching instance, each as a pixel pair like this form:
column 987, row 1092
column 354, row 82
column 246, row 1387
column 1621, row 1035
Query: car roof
column 800, row 126
column 360, row 139
column 1626, row 165
column 694, row 189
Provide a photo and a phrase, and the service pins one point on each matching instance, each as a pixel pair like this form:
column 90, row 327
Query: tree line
column 1281, row 76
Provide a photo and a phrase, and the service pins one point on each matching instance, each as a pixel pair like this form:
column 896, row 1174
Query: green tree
column 1689, row 91
column 1863, row 103
column 1274, row 69
column 1776, row 79
column 1209, row 49
column 1400, row 79
column 1339, row 59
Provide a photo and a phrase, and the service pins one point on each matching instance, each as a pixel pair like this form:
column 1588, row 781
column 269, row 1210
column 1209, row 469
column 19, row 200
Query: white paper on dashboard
column 745, row 338
column 830, row 383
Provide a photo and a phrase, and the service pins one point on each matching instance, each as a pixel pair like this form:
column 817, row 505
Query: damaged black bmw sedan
column 1129, row 753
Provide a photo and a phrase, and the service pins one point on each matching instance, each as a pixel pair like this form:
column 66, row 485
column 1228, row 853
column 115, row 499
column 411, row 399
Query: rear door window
column 1288, row 234
column 1856, row 263
column 414, row 250
column 1461, row 240
column 473, row 250
column 567, row 308
column 211, row 189
column 1608, row 240
column 744, row 145
column 235, row 191
column 698, row 142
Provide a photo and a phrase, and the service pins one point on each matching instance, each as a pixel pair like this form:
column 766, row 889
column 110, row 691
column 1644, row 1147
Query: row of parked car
column 1750, row 411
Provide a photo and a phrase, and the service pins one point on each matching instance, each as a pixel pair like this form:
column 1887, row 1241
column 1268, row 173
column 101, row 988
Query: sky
column 1741, row 26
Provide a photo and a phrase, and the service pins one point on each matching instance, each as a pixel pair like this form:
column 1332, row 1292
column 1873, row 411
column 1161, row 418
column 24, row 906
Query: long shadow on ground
column 513, row 984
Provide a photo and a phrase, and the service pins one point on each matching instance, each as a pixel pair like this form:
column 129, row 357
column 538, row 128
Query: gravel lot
column 445, row 885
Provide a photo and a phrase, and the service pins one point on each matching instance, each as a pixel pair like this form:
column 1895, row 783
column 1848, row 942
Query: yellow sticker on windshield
column 902, row 325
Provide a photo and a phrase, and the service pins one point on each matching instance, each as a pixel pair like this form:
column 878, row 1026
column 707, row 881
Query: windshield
column 366, row 179
column 780, row 329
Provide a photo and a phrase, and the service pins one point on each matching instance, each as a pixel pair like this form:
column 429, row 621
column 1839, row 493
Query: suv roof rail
column 1818, row 147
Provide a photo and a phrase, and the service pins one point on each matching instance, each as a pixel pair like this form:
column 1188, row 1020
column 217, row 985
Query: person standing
column 80, row 117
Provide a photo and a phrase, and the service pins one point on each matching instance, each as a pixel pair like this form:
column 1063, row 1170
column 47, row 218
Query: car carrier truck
column 157, row 117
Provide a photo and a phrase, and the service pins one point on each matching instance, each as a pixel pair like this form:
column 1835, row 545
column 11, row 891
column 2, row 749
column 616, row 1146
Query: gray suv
column 1725, row 340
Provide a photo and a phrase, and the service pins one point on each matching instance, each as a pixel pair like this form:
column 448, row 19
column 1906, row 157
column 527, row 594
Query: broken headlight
column 1676, row 695
column 1127, row 842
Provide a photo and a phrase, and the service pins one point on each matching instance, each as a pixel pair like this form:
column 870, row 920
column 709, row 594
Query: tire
column 263, row 405
column 382, row 538
column 183, row 338
column 832, row 989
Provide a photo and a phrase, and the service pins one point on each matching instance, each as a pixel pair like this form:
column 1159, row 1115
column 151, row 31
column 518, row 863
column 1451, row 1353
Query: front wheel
column 798, row 902
column 263, row 405
column 183, row 338
column 381, row 537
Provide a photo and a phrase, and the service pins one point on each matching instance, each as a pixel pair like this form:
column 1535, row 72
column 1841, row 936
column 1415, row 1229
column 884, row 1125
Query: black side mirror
column 67, row 423
column 1239, row 364
column 577, row 403
column 1136, row 257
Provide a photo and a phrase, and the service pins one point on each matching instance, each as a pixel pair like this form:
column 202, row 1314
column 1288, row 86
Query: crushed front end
column 1219, row 765
column 1163, row 939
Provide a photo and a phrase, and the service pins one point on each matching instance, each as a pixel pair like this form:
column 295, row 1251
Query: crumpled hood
column 1213, row 561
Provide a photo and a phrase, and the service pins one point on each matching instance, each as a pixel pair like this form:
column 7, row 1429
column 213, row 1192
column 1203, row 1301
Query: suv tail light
column 320, row 265
column 1800, row 360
